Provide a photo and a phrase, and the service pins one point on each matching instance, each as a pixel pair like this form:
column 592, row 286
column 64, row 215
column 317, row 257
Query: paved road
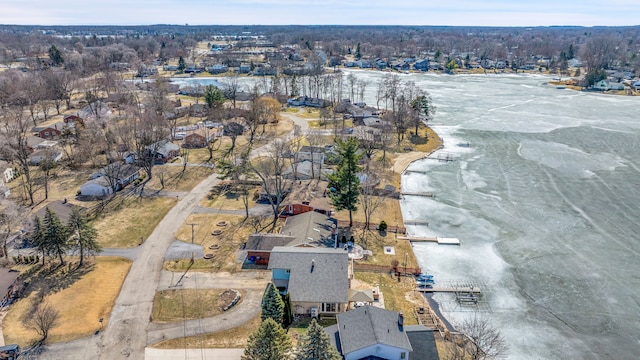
column 176, row 354
column 125, row 335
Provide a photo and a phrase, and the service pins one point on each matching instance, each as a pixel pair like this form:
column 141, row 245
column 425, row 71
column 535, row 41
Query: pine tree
column 269, row 342
column 272, row 305
column 83, row 235
column 181, row 64
column 316, row 345
column 344, row 182
column 38, row 239
column 358, row 55
column 55, row 235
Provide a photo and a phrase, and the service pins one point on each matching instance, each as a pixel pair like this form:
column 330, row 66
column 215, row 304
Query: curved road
column 125, row 336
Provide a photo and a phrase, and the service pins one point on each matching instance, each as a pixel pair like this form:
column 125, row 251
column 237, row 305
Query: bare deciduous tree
column 10, row 217
column 485, row 341
column 43, row 319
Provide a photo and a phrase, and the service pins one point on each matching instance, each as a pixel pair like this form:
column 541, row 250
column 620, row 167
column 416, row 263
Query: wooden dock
column 439, row 240
column 425, row 194
column 450, row 289
column 416, row 222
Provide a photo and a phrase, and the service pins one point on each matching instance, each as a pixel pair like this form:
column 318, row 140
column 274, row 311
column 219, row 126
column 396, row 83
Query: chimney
column 400, row 319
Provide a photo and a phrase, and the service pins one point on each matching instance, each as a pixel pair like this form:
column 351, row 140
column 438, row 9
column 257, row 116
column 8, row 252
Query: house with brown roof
column 198, row 138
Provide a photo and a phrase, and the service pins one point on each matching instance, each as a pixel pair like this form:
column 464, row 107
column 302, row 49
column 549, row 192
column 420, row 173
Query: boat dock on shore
column 450, row 289
column 439, row 240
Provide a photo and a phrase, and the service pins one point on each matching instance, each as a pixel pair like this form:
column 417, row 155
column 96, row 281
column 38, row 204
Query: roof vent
column 313, row 264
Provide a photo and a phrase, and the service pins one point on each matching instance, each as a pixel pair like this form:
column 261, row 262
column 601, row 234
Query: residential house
column 375, row 122
column 9, row 352
column 163, row 151
column 244, row 68
column 7, row 171
column 317, row 279
column 310, row 153
column 113, row 177
column 307, row 101
column 574, row 63
column 309, row 229
column 48, row 154
column 422, row 65
column 604, row 85
column 217, row 68
column 33, row 142
column 198, row 138
column 7, row 175
column 306, row 170
column 73, row 120
column 636, row 85
column 369, row 332
column 51, row 132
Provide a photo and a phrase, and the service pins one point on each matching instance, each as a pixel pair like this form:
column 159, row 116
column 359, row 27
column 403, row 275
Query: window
column 288, row 271
column 329, row 307
column 403, row 355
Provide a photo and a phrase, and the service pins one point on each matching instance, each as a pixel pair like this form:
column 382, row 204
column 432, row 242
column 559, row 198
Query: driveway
column 125, row 336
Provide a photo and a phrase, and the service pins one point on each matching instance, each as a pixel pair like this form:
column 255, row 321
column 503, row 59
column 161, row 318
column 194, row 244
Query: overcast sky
column 327, row 12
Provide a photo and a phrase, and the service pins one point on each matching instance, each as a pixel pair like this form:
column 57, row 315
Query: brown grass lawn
column 234, row 234
column 229, row 201
column 80, row 305
column 186, row 304
column 177, row 180
column 398, row 296
column 232, row 338
column 375, row 242
column 133, row 222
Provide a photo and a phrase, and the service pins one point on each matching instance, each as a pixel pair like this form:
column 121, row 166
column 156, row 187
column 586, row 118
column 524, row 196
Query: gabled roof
column 163, row 147
column 310, row 228
column 266, row 242
column 316, row 274
column 367, row 326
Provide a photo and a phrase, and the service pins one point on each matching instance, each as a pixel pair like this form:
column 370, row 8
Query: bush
column 383, row 226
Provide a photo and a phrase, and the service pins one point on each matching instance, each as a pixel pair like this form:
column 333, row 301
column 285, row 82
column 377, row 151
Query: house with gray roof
column 317, row 279
column 370, row 333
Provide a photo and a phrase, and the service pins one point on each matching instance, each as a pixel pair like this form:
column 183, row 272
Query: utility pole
column 192, row 236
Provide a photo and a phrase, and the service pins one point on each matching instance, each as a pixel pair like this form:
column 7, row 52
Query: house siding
column 379, row 350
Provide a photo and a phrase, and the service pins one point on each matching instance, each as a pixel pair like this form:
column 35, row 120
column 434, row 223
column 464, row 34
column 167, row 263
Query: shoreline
column 400, row 166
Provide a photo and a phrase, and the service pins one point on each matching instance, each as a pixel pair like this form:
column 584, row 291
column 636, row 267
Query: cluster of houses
column 307, row 263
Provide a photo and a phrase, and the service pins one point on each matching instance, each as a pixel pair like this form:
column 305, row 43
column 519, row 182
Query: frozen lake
column 546, row 203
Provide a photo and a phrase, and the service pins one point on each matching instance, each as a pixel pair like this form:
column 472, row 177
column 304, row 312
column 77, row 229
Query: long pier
column 425, row 194
column 450, row 289
column 439, row 240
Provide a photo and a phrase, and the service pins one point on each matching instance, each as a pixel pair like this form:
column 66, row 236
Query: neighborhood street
column 125, row 333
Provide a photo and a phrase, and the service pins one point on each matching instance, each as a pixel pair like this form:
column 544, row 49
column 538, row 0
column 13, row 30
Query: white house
column 370, row 333
column 7, row 171
column 37, row 157
column 99, row 187
column 605, row 85
column 110, row 178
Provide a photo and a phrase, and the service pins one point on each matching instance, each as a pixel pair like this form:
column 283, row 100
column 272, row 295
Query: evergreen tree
column 38, row 239
column 55, row 55
column 214, row 97
column 358, row 55
column 316, row 345
column 272, row 305
column 181, row 64
column 83, row 235
column 344, row 182
column 56, row 237
column 288, row 310
column 269, row 342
